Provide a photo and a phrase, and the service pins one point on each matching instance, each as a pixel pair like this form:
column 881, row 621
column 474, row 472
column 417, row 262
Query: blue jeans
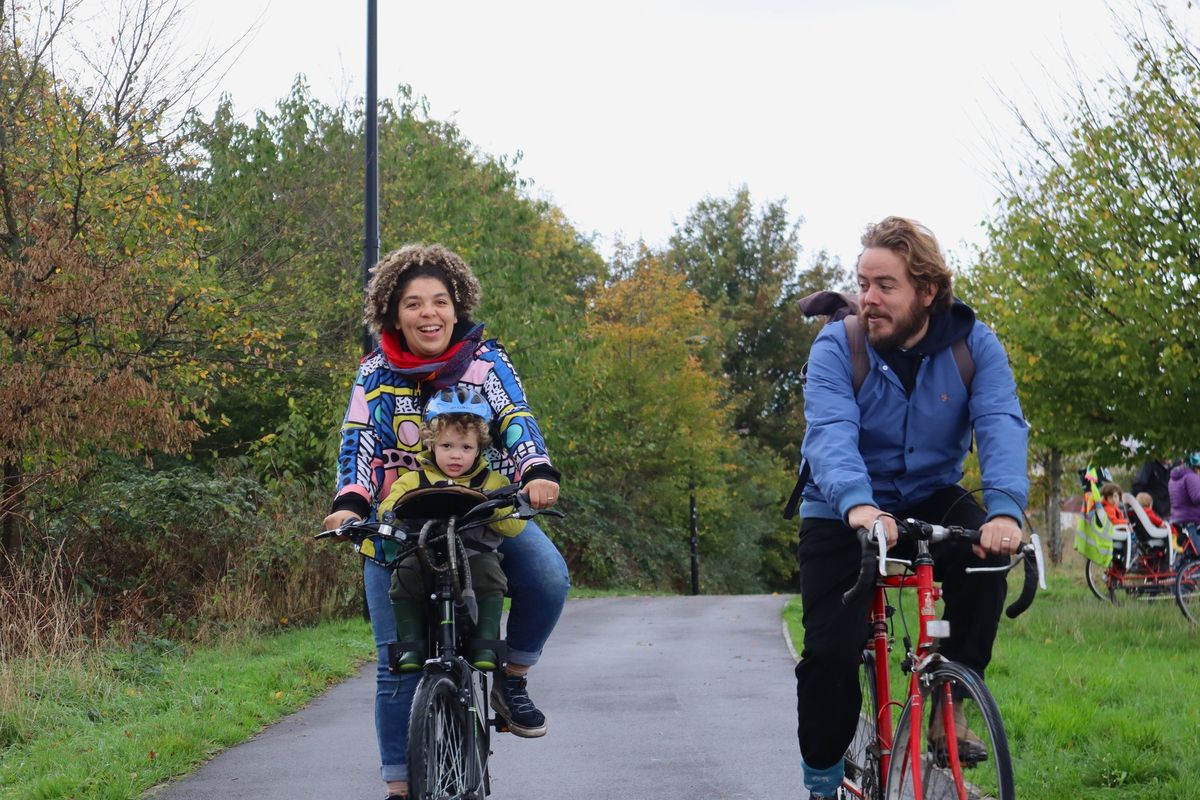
column 537, row 584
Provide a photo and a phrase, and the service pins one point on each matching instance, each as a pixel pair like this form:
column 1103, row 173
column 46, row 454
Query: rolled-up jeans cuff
column 523, row 657
column 394, row 772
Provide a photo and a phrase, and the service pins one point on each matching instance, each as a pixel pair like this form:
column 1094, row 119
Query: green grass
column 1099, row 701
column 115, row 723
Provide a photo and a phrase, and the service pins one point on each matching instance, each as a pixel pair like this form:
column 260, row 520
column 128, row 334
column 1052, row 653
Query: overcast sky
column 628, row 113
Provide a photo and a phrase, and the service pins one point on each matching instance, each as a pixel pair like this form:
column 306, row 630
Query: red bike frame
column 927, row 594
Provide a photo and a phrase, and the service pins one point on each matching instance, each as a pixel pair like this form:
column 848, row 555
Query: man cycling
column 891, row 443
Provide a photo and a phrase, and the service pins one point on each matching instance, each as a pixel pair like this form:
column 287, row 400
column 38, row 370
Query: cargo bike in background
column 1135, row 561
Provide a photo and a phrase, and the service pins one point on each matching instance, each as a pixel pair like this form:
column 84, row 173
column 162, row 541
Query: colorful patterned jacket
column 381, row 432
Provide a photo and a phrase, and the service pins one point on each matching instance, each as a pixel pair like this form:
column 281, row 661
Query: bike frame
column 916, row 660
column 448, row 659
column 1145, row 571
column 881, row 643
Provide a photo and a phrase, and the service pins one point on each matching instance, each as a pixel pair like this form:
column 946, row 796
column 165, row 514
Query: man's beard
column 903, row 327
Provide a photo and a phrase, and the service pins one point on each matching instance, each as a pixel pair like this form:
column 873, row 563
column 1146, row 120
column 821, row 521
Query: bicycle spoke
column 444, row 758
column 963, row 749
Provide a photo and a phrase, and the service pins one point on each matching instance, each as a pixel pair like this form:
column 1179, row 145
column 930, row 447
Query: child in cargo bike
column 456, row 436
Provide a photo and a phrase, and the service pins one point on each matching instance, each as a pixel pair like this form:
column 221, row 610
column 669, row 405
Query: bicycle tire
column 1187, row 589
column 862, row 756
column 942, row 775
column 444, row 757
column 1095, row 576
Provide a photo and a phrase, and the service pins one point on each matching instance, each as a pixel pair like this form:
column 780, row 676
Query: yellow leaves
column 1031, row 359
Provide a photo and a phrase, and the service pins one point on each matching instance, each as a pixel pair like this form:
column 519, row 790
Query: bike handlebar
column 357, row 530
column 874, row 554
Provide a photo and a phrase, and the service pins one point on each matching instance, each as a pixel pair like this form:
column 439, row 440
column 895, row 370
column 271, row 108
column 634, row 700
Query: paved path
column 664, row 698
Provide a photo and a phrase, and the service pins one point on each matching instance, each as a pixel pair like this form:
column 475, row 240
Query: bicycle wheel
column 1094, row 573
column 444, row 757
column 862, row 757
column 956, row 768
column 1187, row 589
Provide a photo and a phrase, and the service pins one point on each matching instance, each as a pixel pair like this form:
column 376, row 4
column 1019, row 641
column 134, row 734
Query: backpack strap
column 966, row 364
column 860, row 362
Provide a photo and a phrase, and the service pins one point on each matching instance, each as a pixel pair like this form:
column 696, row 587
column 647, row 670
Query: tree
column 282, row 223
column 744, row 262
column 102, row 306
column 1091, row 264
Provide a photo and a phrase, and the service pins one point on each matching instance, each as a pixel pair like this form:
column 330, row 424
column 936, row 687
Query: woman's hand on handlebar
column 864, row 516
column 339, row 518
column 542, row 493
column 998, row 536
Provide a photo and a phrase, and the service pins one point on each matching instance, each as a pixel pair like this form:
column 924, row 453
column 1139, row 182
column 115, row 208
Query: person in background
column 1110, row 498
column 1147, row 503
column 1185, row 497
column 1153, row 478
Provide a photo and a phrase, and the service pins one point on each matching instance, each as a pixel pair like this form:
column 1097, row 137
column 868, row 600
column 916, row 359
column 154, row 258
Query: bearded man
column 891, row 444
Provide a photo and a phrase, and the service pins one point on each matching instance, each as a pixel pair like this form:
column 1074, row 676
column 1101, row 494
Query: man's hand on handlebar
column 542, row 493
column 998, row 536
column 864, row 517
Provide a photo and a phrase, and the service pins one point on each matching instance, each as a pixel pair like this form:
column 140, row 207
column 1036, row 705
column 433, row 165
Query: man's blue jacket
column 890, row 450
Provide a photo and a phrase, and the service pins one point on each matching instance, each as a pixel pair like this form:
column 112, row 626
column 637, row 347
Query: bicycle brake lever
column 1036, row 542
column 880, row 534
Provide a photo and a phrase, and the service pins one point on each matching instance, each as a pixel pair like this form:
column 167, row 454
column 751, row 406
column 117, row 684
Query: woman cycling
column 419, row 301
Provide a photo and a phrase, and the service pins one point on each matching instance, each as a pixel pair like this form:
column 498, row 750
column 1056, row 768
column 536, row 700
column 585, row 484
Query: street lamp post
column 371, row 180
column 695, row 544
column 370, row 187
column 694, row 343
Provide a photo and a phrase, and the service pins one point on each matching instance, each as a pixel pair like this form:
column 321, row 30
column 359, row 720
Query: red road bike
column 927, row 752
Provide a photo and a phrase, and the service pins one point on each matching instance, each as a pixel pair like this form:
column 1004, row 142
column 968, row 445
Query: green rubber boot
column 488, row 628
column 410, row 626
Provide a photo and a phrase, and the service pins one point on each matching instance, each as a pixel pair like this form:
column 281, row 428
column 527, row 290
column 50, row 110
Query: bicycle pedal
column 501, row 725
column 941, row 757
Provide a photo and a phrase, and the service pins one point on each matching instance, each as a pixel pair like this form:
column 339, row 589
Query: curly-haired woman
column 419, row 301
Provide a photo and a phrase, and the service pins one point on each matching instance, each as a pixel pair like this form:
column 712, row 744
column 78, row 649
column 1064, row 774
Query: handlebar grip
column 866, row 568
column 1029, row 589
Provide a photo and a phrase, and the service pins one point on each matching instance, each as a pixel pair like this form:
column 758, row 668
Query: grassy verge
column 1098, row 701
column 110, row 724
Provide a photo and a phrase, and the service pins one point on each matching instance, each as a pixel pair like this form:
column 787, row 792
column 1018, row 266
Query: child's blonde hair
column 1145, row 499
column 463, row 422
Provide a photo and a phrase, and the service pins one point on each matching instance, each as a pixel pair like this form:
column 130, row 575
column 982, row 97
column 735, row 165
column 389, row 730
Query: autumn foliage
column 179, row 323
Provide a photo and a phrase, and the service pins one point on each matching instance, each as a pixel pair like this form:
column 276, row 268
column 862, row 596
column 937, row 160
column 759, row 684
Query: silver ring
column 1006, row 539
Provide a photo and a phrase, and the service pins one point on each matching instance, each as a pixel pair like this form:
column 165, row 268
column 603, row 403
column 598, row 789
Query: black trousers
column 828, row 694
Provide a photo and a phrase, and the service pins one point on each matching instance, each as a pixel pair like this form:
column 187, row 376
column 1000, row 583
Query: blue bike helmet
column 458, row 400
column 1194, row 460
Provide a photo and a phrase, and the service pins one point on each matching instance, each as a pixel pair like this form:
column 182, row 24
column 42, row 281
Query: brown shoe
column 971, row 749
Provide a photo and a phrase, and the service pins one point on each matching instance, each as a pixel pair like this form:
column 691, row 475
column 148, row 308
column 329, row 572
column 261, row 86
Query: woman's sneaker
column 511, row 700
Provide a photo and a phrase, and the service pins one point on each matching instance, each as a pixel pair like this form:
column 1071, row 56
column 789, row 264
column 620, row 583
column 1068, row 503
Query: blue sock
column 823, row 781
